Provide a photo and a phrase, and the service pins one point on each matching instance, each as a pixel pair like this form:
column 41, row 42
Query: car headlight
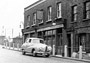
column 41, row 49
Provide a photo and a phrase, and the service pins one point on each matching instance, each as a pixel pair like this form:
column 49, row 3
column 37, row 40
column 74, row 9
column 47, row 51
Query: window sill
column 73, row 22
column 86, row 19
column 33, row 25
column 49, row 20
column 27, row 27
column 58, row 18
column 40, row 23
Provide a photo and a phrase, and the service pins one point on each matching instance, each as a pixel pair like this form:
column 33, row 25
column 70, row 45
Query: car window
column 29, row 40
column 41, row 41
column 26, row 41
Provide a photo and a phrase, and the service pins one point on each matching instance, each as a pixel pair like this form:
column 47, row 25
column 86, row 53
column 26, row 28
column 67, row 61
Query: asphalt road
column 10, row 56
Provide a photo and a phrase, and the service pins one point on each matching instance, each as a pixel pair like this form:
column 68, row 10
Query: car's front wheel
column 47, row 55
column 34, row 53
column 23, row 52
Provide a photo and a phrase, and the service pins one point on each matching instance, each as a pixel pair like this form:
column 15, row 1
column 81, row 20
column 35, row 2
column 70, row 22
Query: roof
column 33, row 5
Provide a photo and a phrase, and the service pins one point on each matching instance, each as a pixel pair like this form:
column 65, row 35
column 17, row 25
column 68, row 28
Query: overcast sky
column 11, row 14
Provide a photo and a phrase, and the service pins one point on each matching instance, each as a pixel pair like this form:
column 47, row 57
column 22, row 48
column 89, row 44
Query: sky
column 11, row 16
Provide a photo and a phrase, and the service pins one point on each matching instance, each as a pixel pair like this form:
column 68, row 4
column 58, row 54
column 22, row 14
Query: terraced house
column 59, row 23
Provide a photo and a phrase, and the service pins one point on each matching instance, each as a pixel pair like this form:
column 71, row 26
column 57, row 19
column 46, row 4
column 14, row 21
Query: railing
column 76, row 53
column 14, row 46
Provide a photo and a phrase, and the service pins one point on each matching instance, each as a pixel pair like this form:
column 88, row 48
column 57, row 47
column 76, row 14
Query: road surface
column 11, row 56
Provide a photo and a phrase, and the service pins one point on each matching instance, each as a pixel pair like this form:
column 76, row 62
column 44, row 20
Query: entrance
column 69, row 44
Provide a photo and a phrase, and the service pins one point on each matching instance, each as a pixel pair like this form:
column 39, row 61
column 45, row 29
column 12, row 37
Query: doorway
column 69, row 44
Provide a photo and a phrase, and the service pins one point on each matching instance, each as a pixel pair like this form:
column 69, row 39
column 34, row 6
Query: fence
column 76, row 53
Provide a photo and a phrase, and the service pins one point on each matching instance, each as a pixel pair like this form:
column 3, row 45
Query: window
column 59, row 10
column 87, row 10
column 28, row 18
column 74, row 13
column 49, row 13
column 28, row 21
column 34, row 18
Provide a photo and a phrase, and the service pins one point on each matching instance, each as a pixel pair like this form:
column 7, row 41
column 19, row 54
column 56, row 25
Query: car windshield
column 35, row 40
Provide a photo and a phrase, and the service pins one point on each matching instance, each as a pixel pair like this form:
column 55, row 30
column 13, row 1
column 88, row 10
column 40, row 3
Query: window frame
column 34, row 18
column 74, row 13
column 49, row 13
column 86, row 10
column 59, row 10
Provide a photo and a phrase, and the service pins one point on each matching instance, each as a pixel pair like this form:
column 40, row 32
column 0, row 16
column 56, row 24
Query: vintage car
column 36, row 46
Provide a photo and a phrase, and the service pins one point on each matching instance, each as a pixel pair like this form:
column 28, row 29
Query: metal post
column 80, row 52
column 17, row 46
column 9, row 45
column 6, row 44
column 53, row 50
column 65, row 51
column 13, row 45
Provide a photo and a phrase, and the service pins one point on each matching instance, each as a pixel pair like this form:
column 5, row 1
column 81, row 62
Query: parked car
column 36, row 46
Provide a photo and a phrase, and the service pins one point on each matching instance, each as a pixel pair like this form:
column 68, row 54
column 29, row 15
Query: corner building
column 59, row 23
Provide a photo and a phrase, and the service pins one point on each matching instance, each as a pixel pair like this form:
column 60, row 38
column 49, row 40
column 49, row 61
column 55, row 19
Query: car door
column 25, row 45
column 29, row 45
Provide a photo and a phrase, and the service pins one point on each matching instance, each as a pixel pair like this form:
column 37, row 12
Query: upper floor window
column 28, row 18
column 49, row 13
column 28, row 21
column 74, row 13
column 34, row 18
column 87, row 10
column 59, row 15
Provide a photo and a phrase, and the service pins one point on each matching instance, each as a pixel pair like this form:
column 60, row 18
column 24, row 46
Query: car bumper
column 43, row 53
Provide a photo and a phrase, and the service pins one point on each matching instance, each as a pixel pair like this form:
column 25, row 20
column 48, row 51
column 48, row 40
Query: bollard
column 17, row 46
column 65, row 51
column 13, row 45
column 80, row 52
column 53, row 50
column 9, row 45
column 6, row 44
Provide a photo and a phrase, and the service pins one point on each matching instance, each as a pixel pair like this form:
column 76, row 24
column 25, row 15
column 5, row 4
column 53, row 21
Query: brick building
column 59, row 22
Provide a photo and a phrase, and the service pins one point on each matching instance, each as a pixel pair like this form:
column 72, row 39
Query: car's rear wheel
column 23, row 52
column 34, row 53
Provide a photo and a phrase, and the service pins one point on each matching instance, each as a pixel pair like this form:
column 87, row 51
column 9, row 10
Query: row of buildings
column 59, row 22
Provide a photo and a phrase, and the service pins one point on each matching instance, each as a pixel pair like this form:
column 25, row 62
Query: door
column 69, row 44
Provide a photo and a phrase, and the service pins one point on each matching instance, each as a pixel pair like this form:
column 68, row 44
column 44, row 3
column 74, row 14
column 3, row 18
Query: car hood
column 40, row 45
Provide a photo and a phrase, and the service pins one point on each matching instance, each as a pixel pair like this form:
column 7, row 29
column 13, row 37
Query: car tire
column 47, row 55
column 23, row 52
column 34, row 54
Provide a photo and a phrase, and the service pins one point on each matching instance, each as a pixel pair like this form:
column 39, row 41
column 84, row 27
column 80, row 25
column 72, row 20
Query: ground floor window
column 83, row 40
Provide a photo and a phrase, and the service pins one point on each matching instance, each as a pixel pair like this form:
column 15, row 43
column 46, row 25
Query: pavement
column 56, row 56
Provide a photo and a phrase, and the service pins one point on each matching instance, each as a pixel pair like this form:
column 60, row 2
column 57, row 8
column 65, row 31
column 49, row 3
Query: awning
column 46, row 28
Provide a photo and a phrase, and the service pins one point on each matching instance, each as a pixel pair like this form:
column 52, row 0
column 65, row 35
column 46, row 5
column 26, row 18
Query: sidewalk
column 76, row 59
column 57, row 56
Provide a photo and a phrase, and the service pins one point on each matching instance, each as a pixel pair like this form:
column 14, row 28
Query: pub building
column 59, row 23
